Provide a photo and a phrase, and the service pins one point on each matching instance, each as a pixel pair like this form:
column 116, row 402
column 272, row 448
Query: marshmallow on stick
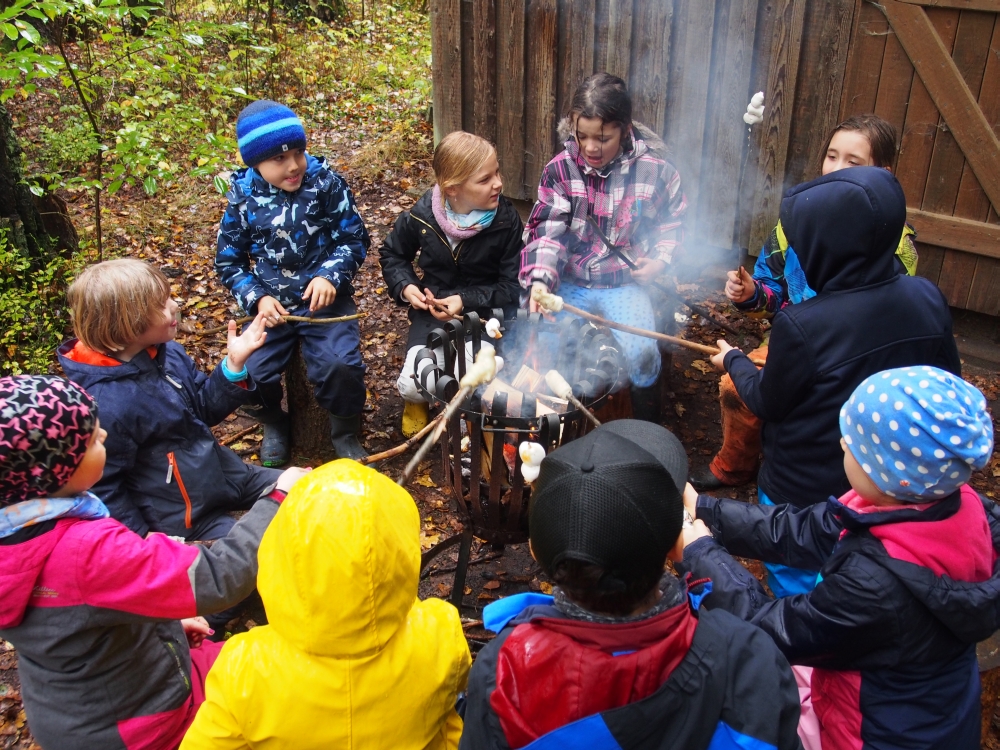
column 547, row 300
column 755, row 109
column 493, row 329
column 558, row 385
column 531, row 460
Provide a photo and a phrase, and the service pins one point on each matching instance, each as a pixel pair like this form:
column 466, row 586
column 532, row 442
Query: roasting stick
column 402, row 447
column 287, row 319
column 554, row 303
column 483, row 370
column 558, row 385
column 492, row 326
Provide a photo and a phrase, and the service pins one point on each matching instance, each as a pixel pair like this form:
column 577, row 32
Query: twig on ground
column 230, row 439
column 402, row 447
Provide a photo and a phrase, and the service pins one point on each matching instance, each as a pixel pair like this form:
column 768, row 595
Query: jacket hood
column 644, row 140
column 242, row 181
column 87, row 375
column 339, row 564
column 845, row 227
column 23, row 565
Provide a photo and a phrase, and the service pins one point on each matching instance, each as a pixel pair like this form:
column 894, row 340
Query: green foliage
column 33, row 319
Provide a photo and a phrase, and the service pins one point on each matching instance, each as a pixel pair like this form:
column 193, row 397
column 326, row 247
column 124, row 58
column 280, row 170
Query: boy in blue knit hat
column 886, row 642
column 290, row 243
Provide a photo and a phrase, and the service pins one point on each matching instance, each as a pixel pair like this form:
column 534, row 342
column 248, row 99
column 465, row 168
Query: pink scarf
column 455, row 233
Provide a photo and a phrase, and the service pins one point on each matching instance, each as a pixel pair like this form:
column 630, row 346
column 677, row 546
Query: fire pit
column 483, row 465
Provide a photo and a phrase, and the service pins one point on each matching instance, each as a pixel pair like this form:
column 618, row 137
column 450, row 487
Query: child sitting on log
column 165, row 470
column 908, row 581
column 468, row 237
column 104, row 659
column 350, row 657
column 612, row 172
column 616, row 658
column 778, row 280
column 290, row 243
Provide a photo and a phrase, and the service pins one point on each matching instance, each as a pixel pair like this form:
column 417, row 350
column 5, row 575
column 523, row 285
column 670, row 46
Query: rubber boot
column 344, row 435
column 415, row 417
column 276, row 448
column 646, row 403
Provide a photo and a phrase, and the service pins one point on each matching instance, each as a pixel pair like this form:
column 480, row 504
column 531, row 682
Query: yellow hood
column 340, row 562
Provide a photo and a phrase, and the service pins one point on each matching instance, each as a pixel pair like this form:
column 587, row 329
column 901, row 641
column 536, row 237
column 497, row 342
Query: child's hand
column 649, row 269
column 415, row 297
column 718, row 359
column 272, row 311
column 240, row 347
column 320, row 293
column 695, row 531
column 691, row 500
column 446, row 307
column 290, row 476
column 739, row 286
column 196, row 628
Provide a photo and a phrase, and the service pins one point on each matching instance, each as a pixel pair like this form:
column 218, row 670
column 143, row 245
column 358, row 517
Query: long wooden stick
column 439, row 428
column 287, row 319
column 640, row 331
column 402, row 447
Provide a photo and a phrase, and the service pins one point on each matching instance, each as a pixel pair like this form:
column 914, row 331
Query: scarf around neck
column 459, row 226
column 86, row 506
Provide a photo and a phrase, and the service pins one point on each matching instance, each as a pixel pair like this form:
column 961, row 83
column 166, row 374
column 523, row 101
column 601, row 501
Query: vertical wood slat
column 690, row 66
column 617, row 60
column 776, row 128
column 541, row 44
column 511, row 130
column 984, row 294
column 648, row 70
column 894, row 87
column 956, row 273
column 931, row 258
column 867, row 49
column 484, row 68
column 576, row 48
column 446, row 64
column 468, row 68
column 818, row 95
column 725, row 137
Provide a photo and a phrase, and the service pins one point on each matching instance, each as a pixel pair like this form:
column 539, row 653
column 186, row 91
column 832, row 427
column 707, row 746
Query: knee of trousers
column 644, row 369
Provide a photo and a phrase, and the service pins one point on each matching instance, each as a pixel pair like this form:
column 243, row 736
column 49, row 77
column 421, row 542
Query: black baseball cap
column 613, row 498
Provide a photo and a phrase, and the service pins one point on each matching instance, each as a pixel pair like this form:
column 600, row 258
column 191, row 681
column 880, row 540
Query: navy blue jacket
column 865, row 318
column 158, row 410
column 907, row 632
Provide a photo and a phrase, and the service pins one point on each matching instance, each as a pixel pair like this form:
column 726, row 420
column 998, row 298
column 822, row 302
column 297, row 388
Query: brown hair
column 113, row 303
column 605, row 97
column 598, row 590
column 458, row 156
column 881, row 137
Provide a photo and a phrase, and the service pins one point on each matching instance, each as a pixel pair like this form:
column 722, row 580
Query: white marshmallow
column 546, row 299
column 758, row 99
column 493, row 328
column 557, row 384
column 483, row 370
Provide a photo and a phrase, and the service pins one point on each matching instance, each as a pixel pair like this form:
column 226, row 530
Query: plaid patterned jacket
column 636, row 200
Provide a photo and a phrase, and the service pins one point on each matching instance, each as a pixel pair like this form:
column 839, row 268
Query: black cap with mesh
column 613, row 498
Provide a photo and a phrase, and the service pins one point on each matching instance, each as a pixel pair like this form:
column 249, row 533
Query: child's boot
column 415, row 417
column 276, row 448
column 344, row 435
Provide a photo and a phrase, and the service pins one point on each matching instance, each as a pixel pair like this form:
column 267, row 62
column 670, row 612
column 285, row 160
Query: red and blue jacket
column 673, row 680
column 891, row 629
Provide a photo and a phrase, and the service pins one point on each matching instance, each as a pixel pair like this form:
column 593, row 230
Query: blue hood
column 244, row 181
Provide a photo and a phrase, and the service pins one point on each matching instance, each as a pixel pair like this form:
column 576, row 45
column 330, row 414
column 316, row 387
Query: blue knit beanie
column 265, row 129
column 918, row 432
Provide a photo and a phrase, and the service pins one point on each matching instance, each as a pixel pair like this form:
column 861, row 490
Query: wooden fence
column 505, row 69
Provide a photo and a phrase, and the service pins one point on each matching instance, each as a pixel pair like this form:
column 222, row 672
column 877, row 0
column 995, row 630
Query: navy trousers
column 332, row 353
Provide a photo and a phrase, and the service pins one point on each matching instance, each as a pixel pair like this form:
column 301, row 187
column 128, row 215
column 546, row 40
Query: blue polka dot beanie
column 918, row 432
column 265, row 129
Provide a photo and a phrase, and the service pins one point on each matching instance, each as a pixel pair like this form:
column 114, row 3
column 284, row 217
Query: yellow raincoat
column 351, row 658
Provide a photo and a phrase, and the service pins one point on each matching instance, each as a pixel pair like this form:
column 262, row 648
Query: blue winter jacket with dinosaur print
column 273, row 243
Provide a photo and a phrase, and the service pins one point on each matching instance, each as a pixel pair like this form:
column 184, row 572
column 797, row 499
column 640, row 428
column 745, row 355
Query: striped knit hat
column 265, row 129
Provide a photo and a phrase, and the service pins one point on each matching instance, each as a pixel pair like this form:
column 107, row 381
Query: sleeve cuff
column 233, row 377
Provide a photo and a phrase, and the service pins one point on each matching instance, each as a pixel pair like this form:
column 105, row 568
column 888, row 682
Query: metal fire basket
column 490, row 493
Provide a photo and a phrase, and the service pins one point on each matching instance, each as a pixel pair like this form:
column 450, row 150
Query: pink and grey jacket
column 636, row 200
column 93, row 611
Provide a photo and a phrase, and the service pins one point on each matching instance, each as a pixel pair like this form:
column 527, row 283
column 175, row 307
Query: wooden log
column 446, row 64
column 511, row 96
column 540, row 108
column 648, row 69
column 484, row 68
column 310, row 422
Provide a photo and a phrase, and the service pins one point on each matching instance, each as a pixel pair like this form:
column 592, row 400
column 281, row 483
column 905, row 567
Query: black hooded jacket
column 865, row 318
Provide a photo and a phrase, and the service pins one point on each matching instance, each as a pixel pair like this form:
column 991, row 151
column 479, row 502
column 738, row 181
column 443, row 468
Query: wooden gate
column 932, row 68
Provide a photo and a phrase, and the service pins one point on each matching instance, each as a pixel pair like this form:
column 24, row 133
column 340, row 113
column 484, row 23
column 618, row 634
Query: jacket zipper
column 458, row 248
column 173, row 470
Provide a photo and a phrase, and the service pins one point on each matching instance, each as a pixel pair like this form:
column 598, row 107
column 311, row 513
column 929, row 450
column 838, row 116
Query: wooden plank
column 725, row 137
column 576, row 48
column 776, row 128
column 446, row 65
column 510, row 96
column 990, row 6
column 973, row 237
column 949, row 91
column 865, row 68
column 823, row 64
column 540, row 106
column 613, row 39
column 930, row 259
column 649, row 67
column 894, row 87
column 468, row 68
column 921, row 126
column 972, row 44
column 690, row 65
column 484, row 67
column 984, row 294
column 956, row 270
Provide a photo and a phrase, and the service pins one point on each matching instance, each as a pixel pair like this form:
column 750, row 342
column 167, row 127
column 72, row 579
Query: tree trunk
column 310, row 421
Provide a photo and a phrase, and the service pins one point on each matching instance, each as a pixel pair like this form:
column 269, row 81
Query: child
column 864, row 318
column 907, row 556
column 350, row 657
column 616, row 658
column 92, row 609
column 610, row 175
column 290, row 243
column 778, row 280
column 165, row 470
column 469, row 240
